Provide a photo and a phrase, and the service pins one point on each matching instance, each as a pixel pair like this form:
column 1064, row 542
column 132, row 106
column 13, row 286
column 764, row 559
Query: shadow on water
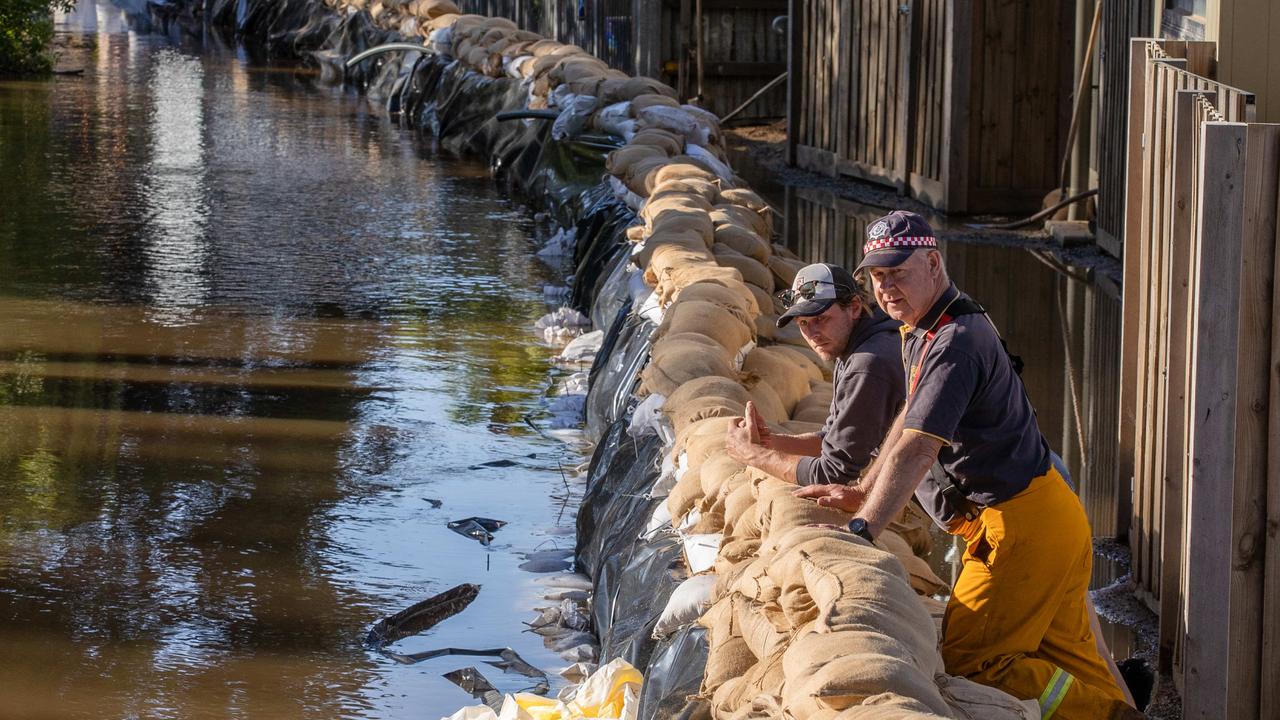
column 254, row 334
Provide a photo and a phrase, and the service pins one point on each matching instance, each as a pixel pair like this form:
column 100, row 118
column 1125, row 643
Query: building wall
column 1248, row 36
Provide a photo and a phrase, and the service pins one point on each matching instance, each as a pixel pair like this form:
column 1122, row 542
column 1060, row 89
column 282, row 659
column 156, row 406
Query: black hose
column 1038, row 216
column 523, row 114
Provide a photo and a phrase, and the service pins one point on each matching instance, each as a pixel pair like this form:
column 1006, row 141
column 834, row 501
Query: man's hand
column 760, row 433
column 841, row 497
column 747, row 435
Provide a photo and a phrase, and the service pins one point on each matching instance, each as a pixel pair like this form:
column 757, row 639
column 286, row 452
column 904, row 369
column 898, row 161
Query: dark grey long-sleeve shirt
column 869, row 389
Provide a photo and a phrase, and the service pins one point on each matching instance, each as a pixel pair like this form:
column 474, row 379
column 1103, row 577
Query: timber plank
column 1269, row 702
column 1216, row 290
column 1248, row 531
column 1181, row 221
column 1129, row 346
column 843, row 62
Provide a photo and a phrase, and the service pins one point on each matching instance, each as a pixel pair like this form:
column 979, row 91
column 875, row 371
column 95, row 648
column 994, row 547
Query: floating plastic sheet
column 476, row 685
column 477, row 528
column 421, row 616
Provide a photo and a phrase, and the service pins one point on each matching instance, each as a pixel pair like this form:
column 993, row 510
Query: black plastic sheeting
column 633, row 576
column 674, row 677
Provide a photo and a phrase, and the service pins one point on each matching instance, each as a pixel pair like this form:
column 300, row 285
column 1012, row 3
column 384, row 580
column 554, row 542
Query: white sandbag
column 574, row 116
column 648, row 419
column 677, row 120
column 614, row 119
column 685, row 605
column 700, row 550
column 714, row 163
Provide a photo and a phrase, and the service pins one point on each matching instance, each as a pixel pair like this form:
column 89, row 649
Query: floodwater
column 251, row 334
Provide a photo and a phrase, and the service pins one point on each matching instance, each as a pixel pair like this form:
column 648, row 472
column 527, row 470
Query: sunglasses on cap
column 807, row 290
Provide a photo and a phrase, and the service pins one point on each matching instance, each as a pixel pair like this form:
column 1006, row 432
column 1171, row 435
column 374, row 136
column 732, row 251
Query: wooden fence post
column 1216, row 291
column 1248, row 528
column 1270, row 701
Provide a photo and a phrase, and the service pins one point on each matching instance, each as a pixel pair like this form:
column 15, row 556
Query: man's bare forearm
column 868, row 480
column 807, row 445
column 778, row 464
column 903, row 467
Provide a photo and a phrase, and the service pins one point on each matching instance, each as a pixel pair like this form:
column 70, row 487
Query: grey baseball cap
column 814, row 290
column 892, row 238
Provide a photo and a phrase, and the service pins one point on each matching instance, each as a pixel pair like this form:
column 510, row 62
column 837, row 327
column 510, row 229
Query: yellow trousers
column 1017, row 619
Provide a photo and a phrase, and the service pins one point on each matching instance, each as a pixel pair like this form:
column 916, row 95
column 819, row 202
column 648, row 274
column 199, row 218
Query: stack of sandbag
column 804, row 622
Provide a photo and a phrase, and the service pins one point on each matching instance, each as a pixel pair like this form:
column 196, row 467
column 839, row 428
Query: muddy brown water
column 249, row 331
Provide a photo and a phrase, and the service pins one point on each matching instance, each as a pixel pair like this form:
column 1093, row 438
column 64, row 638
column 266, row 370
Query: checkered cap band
column 892, row 242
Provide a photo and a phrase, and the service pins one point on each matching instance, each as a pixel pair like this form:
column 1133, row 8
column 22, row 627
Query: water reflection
column 176, row 249
column 251, row 333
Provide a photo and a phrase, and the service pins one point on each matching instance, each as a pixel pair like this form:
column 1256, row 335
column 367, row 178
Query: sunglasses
column 807, row 290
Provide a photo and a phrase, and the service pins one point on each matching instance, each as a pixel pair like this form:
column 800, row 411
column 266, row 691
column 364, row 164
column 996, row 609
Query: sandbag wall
column 707, row 574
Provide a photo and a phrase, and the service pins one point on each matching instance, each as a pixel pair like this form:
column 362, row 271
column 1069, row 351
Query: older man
column 839, row 322
column 1019, row 617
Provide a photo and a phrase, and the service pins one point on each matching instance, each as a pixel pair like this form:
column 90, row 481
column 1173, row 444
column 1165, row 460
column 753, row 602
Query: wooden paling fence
column 948, row 100
column 1200, row 404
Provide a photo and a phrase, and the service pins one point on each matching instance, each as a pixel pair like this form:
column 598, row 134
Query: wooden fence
column 950, row 100
column 716, row 52
column 1200, row 404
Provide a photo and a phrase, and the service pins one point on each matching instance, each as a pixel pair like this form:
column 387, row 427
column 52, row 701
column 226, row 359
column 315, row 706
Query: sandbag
column 681, row 168
column 812, row 408
column 669, row 142
column 753, row 272
column 787, row 380
column 703, row 388
column 734, row 297
column 707, row 319
column 687, row 602
column 849, row 680
column 619, row 161
column 686, row 493
column 730, row 214
column 721, row 474
column 923, row 579
column 695, row 186
column 674, row 253
column 969, row 700
column 915, row 526
column 784, row 269
column 640, row 102
column 765, row 325
column 676, row 278
column 701, row 408
column 744, row 240
column 744, row 197
column 780, row 512
column 751, row 619
column 680, row 364
column 740, row 501
column 767, row 402
column 811, row 369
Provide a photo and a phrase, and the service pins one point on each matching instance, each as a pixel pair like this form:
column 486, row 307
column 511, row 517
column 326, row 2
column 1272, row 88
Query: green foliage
column 26, row 27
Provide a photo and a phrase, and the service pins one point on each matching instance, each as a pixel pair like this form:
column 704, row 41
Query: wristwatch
column 859, row 527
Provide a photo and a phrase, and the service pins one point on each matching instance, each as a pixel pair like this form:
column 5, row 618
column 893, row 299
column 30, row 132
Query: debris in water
column 434, row 502
column 477, row 528
column 548, row 561
column 421, row 616
column 477, row 686
column 503, row 463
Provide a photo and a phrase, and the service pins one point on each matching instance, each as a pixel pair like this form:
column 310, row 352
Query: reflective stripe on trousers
column 1054, row 692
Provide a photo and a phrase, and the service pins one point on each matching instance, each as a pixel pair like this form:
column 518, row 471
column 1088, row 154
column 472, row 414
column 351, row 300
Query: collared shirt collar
column 931, row 318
